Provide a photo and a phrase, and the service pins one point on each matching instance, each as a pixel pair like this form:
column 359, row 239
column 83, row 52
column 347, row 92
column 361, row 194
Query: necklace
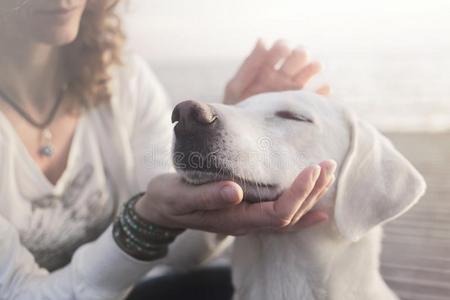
column 46, row 148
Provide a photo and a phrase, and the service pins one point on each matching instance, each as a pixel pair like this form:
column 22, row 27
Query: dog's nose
column 192, row 115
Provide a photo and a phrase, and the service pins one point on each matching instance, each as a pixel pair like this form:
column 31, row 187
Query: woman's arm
column 98, row 270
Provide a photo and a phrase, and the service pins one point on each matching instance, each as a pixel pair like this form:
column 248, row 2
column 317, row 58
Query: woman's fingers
column 246, row 73
column 323, row 182
column 278, row 52
column 259, row 73
column 309, row 219
column 294, row 62
column 273, row 80
column 211, row 196
column 306, row 73
column 324, row 90
column 247, row 217
column 288, row 212
column 168, row 195
column 292, row 200
column 218, row 207
column 268, row 79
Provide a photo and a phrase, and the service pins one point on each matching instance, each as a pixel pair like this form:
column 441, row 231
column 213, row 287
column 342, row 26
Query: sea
column 388, row 60
column 391, row 91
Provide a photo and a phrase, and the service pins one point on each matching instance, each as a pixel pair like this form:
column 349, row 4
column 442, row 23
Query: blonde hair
column 96, row 48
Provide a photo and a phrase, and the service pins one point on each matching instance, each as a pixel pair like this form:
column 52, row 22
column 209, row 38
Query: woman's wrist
column 145, row 211
column 140, row 238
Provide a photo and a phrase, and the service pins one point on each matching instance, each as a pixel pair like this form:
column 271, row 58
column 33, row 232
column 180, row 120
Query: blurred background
column 388, row 59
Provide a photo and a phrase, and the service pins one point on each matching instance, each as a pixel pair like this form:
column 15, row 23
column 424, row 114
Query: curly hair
column 89, row 57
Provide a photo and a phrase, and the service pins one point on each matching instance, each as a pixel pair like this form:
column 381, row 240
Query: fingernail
column 316, row 172
column 332, row 179
column 281, row 43
column 229, row 193
column 259, row 44
column 315, row 67
column 333, row 166
column 300, row 48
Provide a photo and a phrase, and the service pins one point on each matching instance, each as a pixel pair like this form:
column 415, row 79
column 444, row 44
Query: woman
column 84, row 128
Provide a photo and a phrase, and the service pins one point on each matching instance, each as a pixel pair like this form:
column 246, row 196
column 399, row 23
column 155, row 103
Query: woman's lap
column 203, row 284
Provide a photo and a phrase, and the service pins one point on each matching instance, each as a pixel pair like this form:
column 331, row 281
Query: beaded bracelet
column 140, row 238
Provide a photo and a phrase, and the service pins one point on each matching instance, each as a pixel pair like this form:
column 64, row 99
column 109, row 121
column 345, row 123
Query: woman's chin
column 57, row 36
column 53, row 30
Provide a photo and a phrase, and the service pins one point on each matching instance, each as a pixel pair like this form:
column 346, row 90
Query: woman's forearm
column 98, row 270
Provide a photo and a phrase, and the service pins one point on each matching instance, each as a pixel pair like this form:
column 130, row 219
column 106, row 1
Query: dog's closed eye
column 289, row 115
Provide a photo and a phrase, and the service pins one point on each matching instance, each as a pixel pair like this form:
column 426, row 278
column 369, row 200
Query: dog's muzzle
column 198, row 132
column 201, row 153
column 194, row 119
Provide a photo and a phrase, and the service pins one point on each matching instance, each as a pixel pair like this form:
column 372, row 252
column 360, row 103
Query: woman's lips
column 58, row 14
column 58, row 11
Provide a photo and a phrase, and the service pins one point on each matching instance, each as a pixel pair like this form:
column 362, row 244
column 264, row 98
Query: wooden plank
column 415, row 260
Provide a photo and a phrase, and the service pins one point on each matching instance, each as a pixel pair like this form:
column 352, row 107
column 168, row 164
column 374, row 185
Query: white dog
column 262, row 144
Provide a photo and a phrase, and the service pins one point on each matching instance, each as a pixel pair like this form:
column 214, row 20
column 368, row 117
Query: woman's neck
column 31, row 74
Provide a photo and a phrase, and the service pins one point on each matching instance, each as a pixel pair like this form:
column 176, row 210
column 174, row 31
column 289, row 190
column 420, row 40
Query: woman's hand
column 218, row 207
column 259, row 72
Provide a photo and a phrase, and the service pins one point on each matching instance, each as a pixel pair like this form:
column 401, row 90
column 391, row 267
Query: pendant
column 46, row 151
column 46, row 148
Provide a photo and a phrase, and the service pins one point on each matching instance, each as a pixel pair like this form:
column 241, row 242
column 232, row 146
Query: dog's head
column 265, row 141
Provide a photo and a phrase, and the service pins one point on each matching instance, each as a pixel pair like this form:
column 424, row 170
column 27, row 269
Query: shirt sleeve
column 99, row 270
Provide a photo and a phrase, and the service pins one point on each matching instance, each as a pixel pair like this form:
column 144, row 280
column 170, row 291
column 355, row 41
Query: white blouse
column 56, row 240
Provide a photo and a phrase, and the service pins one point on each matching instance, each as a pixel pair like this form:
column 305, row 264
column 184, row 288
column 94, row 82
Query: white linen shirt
column 55, row 240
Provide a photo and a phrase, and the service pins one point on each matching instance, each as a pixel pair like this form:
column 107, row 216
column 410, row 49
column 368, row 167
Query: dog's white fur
column 338, row 259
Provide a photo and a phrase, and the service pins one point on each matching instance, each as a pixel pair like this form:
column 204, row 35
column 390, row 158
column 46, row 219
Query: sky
column 389, row 59
column 212, row 29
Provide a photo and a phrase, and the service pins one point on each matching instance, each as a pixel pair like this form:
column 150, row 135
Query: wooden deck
column 416, row 250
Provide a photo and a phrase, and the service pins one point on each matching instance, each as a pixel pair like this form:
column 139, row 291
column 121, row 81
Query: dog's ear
column 376, row 183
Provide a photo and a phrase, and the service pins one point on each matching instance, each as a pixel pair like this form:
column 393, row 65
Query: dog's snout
column 192, row 115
